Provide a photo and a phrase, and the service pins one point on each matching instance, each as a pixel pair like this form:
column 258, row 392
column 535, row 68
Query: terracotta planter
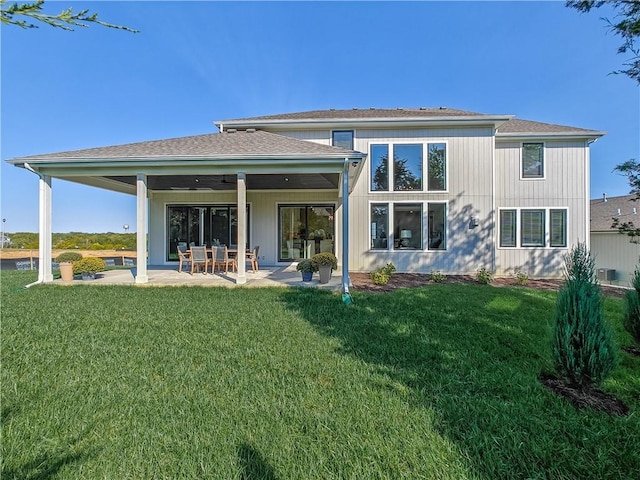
column 66, row 271
column 325, row 273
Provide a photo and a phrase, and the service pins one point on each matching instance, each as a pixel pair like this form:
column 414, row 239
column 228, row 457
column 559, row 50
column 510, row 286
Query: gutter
column 28, row 167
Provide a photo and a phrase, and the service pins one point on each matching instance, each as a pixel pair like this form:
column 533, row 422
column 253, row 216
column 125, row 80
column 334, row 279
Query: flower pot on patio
column 307, row 276
column 306, row 268
column 325, row 273
column 66, row 271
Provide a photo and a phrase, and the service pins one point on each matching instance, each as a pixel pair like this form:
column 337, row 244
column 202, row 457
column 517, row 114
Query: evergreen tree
column 583, row 349
column 632, row 307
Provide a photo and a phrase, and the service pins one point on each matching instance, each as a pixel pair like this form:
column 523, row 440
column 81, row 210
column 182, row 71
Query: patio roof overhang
column 204, row 162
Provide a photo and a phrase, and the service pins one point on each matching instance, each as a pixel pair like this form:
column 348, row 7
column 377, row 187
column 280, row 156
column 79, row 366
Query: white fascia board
column 71, row 168
column 383, row 122
column 548, row 135
column 101, row 182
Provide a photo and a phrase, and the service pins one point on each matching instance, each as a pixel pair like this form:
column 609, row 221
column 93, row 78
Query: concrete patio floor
column 165, row 275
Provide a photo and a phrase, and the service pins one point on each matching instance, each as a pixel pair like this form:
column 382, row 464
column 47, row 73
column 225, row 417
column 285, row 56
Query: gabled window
column 532, row 160
column 342, row 138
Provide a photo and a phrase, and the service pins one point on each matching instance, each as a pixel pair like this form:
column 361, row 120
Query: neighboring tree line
column 76, row 240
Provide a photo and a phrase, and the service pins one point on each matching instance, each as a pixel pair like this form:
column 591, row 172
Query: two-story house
column 424, row 188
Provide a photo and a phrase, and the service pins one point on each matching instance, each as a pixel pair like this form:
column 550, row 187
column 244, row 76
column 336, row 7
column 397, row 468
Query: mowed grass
column 437, row 382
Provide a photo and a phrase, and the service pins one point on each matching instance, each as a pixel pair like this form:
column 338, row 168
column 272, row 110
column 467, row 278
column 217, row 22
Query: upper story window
column 342, row 138
column 532, row 160
column 412, row 163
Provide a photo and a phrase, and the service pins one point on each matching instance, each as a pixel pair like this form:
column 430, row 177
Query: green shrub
column 632, row 307
column 66, row 257
column 89, row 265
column 382, row 275
column 522, row 278
column 437, row 276
column 583, row 349
column 484, row 276
column 379, row 277
column 305, row 266
column 324, row 259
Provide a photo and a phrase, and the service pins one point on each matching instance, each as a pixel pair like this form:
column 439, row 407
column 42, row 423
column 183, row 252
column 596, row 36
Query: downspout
column 346, row 296
column 28, row 167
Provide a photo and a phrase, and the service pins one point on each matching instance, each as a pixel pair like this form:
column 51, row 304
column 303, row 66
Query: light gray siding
column 565, row 185
column 614, row 251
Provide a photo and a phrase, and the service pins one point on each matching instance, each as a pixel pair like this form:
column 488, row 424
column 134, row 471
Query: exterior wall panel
column 614, row 251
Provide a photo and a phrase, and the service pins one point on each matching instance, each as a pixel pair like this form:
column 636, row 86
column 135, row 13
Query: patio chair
column 253, row 258
column 199, row 259
column 184, row 258
column 229, row 261
column 217, row 259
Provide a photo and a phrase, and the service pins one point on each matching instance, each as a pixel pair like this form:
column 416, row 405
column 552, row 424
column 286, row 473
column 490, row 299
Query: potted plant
column 324, row 263
column 66, row 260
column 87, row 267
column 306, row 268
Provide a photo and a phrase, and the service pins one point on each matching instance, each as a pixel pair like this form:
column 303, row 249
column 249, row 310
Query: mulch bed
column 579, row 397
column 362, row 282
column 585, row 397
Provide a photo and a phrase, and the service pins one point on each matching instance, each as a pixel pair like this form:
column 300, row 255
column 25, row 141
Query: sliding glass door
column 304, row 230
column 202, row 225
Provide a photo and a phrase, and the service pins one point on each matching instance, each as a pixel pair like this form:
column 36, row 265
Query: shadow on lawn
column 252, row 465
column 455, row 347
column 48, row 465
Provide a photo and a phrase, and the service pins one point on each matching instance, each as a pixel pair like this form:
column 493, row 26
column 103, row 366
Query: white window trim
column 544, row 163
column 425, row 226
column 425, row 165
column 547, row 231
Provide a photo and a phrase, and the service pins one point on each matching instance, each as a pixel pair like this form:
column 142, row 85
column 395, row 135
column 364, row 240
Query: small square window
column 342, row 139
column 532, row 160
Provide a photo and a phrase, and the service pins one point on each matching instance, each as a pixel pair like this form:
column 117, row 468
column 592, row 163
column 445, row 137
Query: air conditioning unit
column 607, row 274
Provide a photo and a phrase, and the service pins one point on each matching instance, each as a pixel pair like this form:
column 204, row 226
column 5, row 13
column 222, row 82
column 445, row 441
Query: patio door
column 304, row 230
column 202, row 225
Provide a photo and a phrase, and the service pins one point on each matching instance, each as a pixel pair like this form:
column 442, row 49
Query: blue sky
column 196, row 62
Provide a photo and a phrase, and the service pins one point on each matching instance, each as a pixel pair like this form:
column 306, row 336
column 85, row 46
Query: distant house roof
column 507, row 125
column 603, row 212
column 230, row 144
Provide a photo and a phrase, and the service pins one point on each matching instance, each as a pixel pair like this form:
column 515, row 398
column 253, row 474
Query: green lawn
column 437, row 382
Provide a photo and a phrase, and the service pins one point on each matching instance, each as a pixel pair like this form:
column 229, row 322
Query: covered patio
column 167, row 276
column 234, row 169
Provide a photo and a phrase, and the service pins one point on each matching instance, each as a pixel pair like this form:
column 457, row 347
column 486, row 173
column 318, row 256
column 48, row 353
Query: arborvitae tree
column 632, row 307
column 583, row 349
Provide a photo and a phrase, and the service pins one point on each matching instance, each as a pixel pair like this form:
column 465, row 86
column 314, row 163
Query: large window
column 532, row 160
column 380, row 225
column 407, row 167
column 407, row 225
column 529, row 227
column 408, row 171
column 342, row 138
column 305, row 230
column 202, row 225
column 437, row 226
column 380, row 167
column 437, row 169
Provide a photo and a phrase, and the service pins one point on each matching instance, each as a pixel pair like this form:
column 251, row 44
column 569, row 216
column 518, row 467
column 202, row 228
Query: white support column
column 141, row 228
column 345, row 227
column 44, row 265
column 242, row 228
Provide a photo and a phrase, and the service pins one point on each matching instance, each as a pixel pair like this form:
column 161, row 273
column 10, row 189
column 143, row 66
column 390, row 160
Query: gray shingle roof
column 516, row 125
column 227, row 144
column 602, row 213
column 360, row 113
column 511, row 127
